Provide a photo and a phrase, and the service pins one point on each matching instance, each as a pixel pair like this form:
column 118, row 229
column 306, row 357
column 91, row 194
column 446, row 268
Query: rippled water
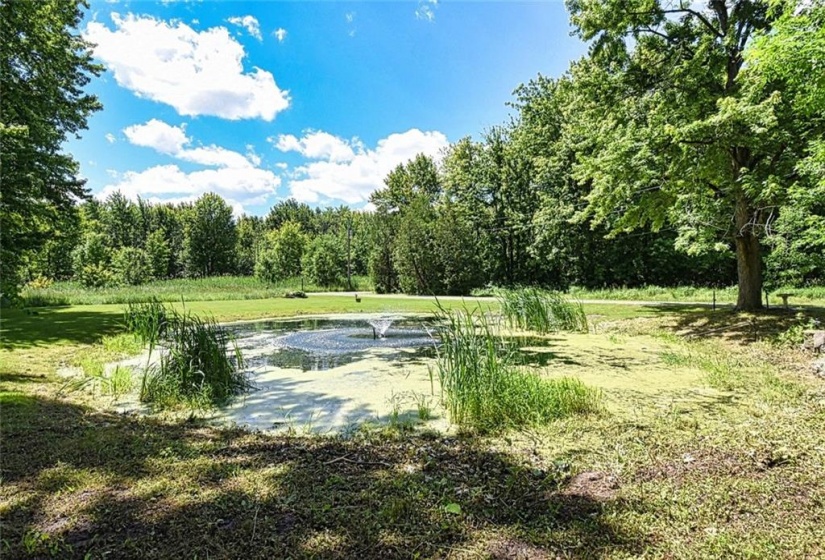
column 320, row 344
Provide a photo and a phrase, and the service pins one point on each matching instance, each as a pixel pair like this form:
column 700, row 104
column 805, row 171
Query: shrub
column 484, row 389
column 39, row 282
column 281, row 253
column 96, row 276
column 325, row 262
column 132, row 266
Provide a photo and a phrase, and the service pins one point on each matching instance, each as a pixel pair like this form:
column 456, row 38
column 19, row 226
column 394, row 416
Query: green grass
column 482, row 386
column 739, row 473
column 217, row 288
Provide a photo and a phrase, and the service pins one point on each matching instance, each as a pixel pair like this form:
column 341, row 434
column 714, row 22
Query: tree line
column 686, row 147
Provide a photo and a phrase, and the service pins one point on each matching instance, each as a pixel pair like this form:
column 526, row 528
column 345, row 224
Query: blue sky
column 260, row 101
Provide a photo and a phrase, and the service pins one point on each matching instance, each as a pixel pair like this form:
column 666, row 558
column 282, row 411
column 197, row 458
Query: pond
column 332, row 373
column 318, row 344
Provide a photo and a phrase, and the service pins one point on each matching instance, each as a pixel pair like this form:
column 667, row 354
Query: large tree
column 673, row 135
column 44, row 66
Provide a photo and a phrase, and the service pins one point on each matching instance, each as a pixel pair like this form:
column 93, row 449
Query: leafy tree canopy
column 44, row 66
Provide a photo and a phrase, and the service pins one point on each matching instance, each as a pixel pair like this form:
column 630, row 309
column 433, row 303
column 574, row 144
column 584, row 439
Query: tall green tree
column 790, row 60
column 673, row 136
column 210, row 237
column 325, row 261
column 250, row 232
column 122, row 221
column 44, row 66
column 281, row 252
column 408, row 182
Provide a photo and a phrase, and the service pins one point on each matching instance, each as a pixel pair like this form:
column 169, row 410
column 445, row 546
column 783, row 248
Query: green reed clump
column 147, row 320
column 201, row 365
column 482, row 386
column 541, row 311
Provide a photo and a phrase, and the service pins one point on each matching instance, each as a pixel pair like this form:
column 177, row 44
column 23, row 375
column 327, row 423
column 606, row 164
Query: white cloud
column 171, row 140
column 350, row 17
column 353, row 180
column 316, row 145
column 196, row 72
column 110, row 138
column 157, row 135
column 280, row 34
column 426, row 10
column 234, row 176
column 239, row 186
column 250, row 23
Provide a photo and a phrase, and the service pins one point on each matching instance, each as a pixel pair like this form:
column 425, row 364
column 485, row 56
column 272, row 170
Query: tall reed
column 541, row 311
column 200, row 366
column 147, row 320
column 482, row 387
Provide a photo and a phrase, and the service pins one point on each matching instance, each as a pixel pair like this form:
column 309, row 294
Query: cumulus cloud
column 158, row 135
column 353, row 179
column 171, row 140
column 110, row 138
column 317, row 145
column 280, row 34
column 234, row 176
column 250, row 23
column 196, row 72
column 426, row 10
column 168, row 183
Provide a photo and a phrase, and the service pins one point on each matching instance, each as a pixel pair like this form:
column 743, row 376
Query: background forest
column 682, row 150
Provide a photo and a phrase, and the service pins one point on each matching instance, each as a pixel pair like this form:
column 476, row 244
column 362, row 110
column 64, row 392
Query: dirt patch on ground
column 511, row 549
column 594, row 485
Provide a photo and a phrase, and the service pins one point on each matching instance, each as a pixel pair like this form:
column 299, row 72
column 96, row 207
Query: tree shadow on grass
column 699, row 322
column 55, row 325
column 82, row 482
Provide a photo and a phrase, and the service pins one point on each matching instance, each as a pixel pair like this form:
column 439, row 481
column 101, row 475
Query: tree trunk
column 748, row 261
column 749, row 271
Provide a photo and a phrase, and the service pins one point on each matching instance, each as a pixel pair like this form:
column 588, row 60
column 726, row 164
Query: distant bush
column 91, row 262
column 132, row 266
column 39, row 283
column 96, row 276
column 325, row 261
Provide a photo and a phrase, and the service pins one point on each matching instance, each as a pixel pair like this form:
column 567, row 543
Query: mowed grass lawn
column 710, row 445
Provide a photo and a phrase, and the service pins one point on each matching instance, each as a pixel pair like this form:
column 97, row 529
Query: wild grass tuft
column 482, row 386
column 541, row 311
column 200, row 366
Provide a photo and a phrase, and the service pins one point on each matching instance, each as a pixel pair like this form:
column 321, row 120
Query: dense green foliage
column 43, row 104
column 684, row 150
column 325, row 261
